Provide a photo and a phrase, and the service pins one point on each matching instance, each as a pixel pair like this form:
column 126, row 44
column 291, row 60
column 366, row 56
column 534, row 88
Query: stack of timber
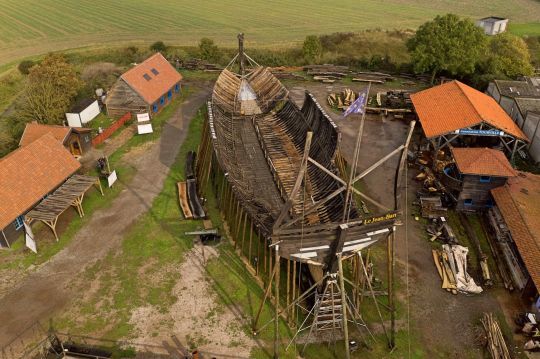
column 341, row 100
column 451, row 264
column 287, row 72
column 199, row 64
column 431, row 207
column 327, row 73
column 482, row 257
column 495, row 342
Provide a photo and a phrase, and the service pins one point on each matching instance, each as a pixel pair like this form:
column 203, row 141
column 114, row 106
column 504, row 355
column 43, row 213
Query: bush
column 158, row 46
column 25, row 66
column 208, row 50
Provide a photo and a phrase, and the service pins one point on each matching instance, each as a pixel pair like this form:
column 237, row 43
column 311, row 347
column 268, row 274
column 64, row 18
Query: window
column 176, row 87
column 162, row 100
column 485, row 179
column 147, row 77
column 468, row 202
column 154, row 71
column 19, row 222
column 155, row 107
column 169, row 94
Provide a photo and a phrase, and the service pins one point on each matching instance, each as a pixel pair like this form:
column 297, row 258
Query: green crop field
column 30, row 27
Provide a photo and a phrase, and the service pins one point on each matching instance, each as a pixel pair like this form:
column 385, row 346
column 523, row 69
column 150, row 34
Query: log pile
column 495, row 342
column 451, row 264
column 287, row 72
column 341, row 100
column 327, row 73
column 199, row 64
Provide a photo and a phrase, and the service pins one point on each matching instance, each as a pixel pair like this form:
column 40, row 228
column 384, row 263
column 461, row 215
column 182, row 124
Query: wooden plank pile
column 451, row 264
column 373, row 77
column 327, row 73
column 341, row 100
column 199, row 64
column 287, row 72
column 495, row 342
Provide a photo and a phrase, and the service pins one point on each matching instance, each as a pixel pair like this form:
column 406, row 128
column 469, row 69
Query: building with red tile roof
column 482, row 162
column 454, row 110
column 519, row 205
column 473, row 174
column 27, row 175
column 147, row 87
column 77, row 140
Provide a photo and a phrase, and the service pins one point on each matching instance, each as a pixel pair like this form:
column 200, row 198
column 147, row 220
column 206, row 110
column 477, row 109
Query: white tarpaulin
column 144, row 129
column 29, row 238
column 112, row 178
column 457, row 256
column 143, row 117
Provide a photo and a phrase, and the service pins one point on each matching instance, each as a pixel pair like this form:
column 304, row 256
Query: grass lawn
column 527, row 29
column 39, row 26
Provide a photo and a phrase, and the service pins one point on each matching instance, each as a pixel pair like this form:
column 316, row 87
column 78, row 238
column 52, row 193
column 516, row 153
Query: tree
column 25, row 66
column 312, row 48
column 509, row 56
column 158, row 46
column 209, row 51
column 447, row 43
column 50, row 88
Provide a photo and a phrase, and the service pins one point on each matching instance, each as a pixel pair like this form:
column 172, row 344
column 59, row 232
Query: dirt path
column 45, row 291
column 196, row 320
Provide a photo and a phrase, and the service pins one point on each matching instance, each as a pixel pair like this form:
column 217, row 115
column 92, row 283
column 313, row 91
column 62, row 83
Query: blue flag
column 359, row 105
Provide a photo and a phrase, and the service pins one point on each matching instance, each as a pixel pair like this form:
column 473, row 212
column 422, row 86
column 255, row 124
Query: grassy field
column 29, row 27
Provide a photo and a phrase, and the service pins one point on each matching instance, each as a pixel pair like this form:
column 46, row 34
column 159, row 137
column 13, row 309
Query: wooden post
column 250, row 238
column 243, row 233
column 391, row 262
column 276, row 315
column 343, row 306
column 258, row 251
column 259, row 311
column 293, row 309
column 288, row 286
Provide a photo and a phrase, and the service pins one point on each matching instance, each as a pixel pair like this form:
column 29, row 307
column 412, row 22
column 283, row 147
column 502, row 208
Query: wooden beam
column 325, row 170
column 343, row 306
column 298, row 182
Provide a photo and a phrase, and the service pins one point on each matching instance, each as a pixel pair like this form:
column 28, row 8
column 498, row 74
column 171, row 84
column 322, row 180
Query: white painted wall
column 85, row 116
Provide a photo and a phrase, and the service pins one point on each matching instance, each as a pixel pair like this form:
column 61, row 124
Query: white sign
column 29, row 238
column 143, row 117
column 112, row 178
column 144, row 129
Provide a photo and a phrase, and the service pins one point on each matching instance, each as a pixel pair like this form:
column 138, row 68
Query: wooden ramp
column 182, row 198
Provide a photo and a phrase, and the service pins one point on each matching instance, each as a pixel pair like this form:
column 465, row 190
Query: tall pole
column 343, row 306
column 355, row 157
column 241, row 57
column 391, row 262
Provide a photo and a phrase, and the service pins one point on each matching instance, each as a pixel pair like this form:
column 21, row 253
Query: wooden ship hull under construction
column 280, row 183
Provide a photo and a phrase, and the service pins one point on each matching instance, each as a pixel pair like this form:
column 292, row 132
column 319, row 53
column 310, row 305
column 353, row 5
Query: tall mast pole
column 241, row 57
column 346, row 208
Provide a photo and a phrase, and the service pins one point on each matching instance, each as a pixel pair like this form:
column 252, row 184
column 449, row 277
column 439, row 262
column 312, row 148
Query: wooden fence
column 111, row 129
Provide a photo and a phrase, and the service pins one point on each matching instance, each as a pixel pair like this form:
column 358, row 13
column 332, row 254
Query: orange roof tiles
column 149, row 84
column 29, row 173
column 34, row 130
column 519, row 203
column 482, row 162
column 449, row 107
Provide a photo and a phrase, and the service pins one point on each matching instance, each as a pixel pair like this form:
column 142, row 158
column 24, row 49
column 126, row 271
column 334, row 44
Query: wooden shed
column 146, row 88
column 474, row 173
column 77, row 140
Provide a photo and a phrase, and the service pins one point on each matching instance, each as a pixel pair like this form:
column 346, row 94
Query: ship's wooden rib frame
column 279, row 180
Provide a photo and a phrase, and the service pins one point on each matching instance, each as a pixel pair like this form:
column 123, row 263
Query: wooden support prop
column 390, row 273
column 244, row 233
column 98, row 185
column 250, row 240
column 288, row 288
column 266, row 293
column 276, row 314
column 343, row 305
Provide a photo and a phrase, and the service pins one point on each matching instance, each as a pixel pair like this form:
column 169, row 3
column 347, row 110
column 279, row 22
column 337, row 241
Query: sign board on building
column 470, row 132
column 29, row 238
column 112, row 178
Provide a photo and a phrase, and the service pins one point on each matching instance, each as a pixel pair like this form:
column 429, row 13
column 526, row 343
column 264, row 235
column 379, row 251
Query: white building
column 492, row 25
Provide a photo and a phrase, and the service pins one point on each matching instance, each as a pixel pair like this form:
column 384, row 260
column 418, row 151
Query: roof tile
column 34, row 130
column 449, row 107
column 483, row 162
column 29, row 173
